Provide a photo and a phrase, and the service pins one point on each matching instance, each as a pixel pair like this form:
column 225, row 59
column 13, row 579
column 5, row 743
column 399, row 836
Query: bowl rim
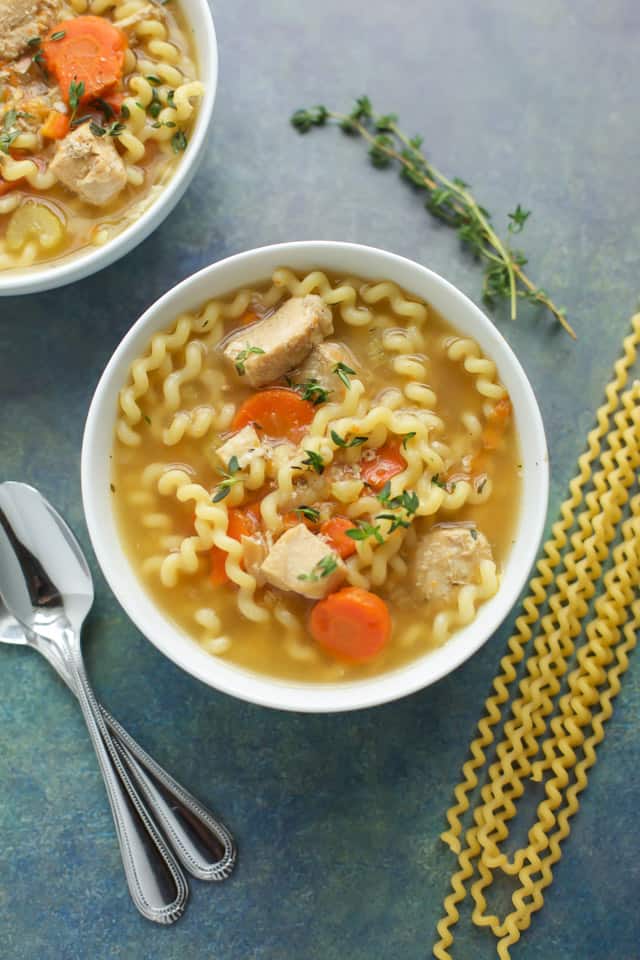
column 40, row 278
column 184, row 650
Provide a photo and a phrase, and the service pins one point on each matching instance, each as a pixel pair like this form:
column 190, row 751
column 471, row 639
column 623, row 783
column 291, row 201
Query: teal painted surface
column 337, row 817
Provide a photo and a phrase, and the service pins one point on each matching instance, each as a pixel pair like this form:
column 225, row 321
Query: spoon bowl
column 46, row 591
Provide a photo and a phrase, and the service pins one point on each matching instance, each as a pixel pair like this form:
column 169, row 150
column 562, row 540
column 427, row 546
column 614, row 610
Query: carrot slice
column 387, row 462
column 498, row 421
column 352, row 624
column 278, row 412
column 89, row 51
column 56, row 126
column 7, row 185
column 335, row 530
column 249, row 317
column 243, row 521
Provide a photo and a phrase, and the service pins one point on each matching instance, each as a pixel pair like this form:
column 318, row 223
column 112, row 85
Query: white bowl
column 77, row 266
column 243, row 270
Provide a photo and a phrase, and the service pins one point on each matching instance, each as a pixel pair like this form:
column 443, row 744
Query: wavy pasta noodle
column 321, row 413
column 86, row 147
column 572, row 659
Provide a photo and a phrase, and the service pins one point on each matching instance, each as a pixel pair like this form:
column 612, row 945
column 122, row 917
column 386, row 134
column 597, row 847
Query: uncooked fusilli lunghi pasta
column 573, row 659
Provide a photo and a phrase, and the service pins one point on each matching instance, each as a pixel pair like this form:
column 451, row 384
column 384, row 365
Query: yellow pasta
column 575, row 566
column 378, row 453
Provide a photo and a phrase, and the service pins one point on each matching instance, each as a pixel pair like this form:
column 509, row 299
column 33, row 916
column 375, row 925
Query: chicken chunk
column 265, row 351
column 242, row 445
column 89, row 166
column 254, row 551
column 20, row 21
column 448, row 557
column 302, row 562
column 320, row 364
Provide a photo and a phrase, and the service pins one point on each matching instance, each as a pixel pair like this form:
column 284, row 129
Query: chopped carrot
column 277, row 412
column 352, row 624
column 502, row 410
column 243, row 521
column 88, row 53
column 335, row 530
column 249, row 317
column 56, row 126
column 388, row 462
column 498, row 421
column 7, row 185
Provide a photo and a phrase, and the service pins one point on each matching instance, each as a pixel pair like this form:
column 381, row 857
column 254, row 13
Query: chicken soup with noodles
column 316, row 477
column 97, row 101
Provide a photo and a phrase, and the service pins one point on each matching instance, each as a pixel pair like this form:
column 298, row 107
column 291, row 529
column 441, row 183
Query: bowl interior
column 77, row 266
column 245, row 269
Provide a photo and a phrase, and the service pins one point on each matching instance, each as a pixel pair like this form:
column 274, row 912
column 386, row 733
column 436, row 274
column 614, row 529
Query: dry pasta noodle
column 575, row 568
column 399, row 452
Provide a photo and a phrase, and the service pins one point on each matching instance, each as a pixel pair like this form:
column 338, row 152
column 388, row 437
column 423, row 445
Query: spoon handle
column 201, row 843
column 156, row 883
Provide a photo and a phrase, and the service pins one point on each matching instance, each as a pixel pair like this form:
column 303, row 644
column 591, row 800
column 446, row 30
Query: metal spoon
column 51, row 608
column 203, row 845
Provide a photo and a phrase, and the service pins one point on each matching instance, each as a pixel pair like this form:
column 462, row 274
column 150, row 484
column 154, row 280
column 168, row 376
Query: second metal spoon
column 203, row 846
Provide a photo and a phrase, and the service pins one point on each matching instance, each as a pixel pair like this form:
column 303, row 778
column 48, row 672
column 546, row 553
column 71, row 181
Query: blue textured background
column 337, row 817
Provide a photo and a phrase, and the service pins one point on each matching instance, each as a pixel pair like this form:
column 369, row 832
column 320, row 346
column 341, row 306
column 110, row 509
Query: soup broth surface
column 461, row 466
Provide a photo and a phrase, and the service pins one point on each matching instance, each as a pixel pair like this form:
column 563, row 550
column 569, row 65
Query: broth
column 409, row 361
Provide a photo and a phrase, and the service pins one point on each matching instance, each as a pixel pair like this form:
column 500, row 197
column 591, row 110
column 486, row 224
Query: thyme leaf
column 243, row 355
column 309, row 513
column 322, row 569
column 314, row 460
column 312, row 391
column 76, row 93
column 230, row 478
column 341, row 442
column 364, row 530
column 343, row 371
column 449, row 199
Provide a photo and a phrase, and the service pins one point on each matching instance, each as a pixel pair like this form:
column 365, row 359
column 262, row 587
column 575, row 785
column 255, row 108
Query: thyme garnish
column 76, row 93
column 323, row 568
column 364, row 530
column 341, row 442
column 312, row 391
column 450, row 200
column 9, row 132
column 314, row 460
column 309, row 513
column 230, row 479
column 243, row 355
column 409, row 502
column 342, row 370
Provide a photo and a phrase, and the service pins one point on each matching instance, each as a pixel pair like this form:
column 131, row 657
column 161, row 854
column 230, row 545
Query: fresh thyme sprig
column 448, row 199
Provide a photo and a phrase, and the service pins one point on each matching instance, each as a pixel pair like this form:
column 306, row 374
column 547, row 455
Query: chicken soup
column 316, row 478
column 97, row 101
